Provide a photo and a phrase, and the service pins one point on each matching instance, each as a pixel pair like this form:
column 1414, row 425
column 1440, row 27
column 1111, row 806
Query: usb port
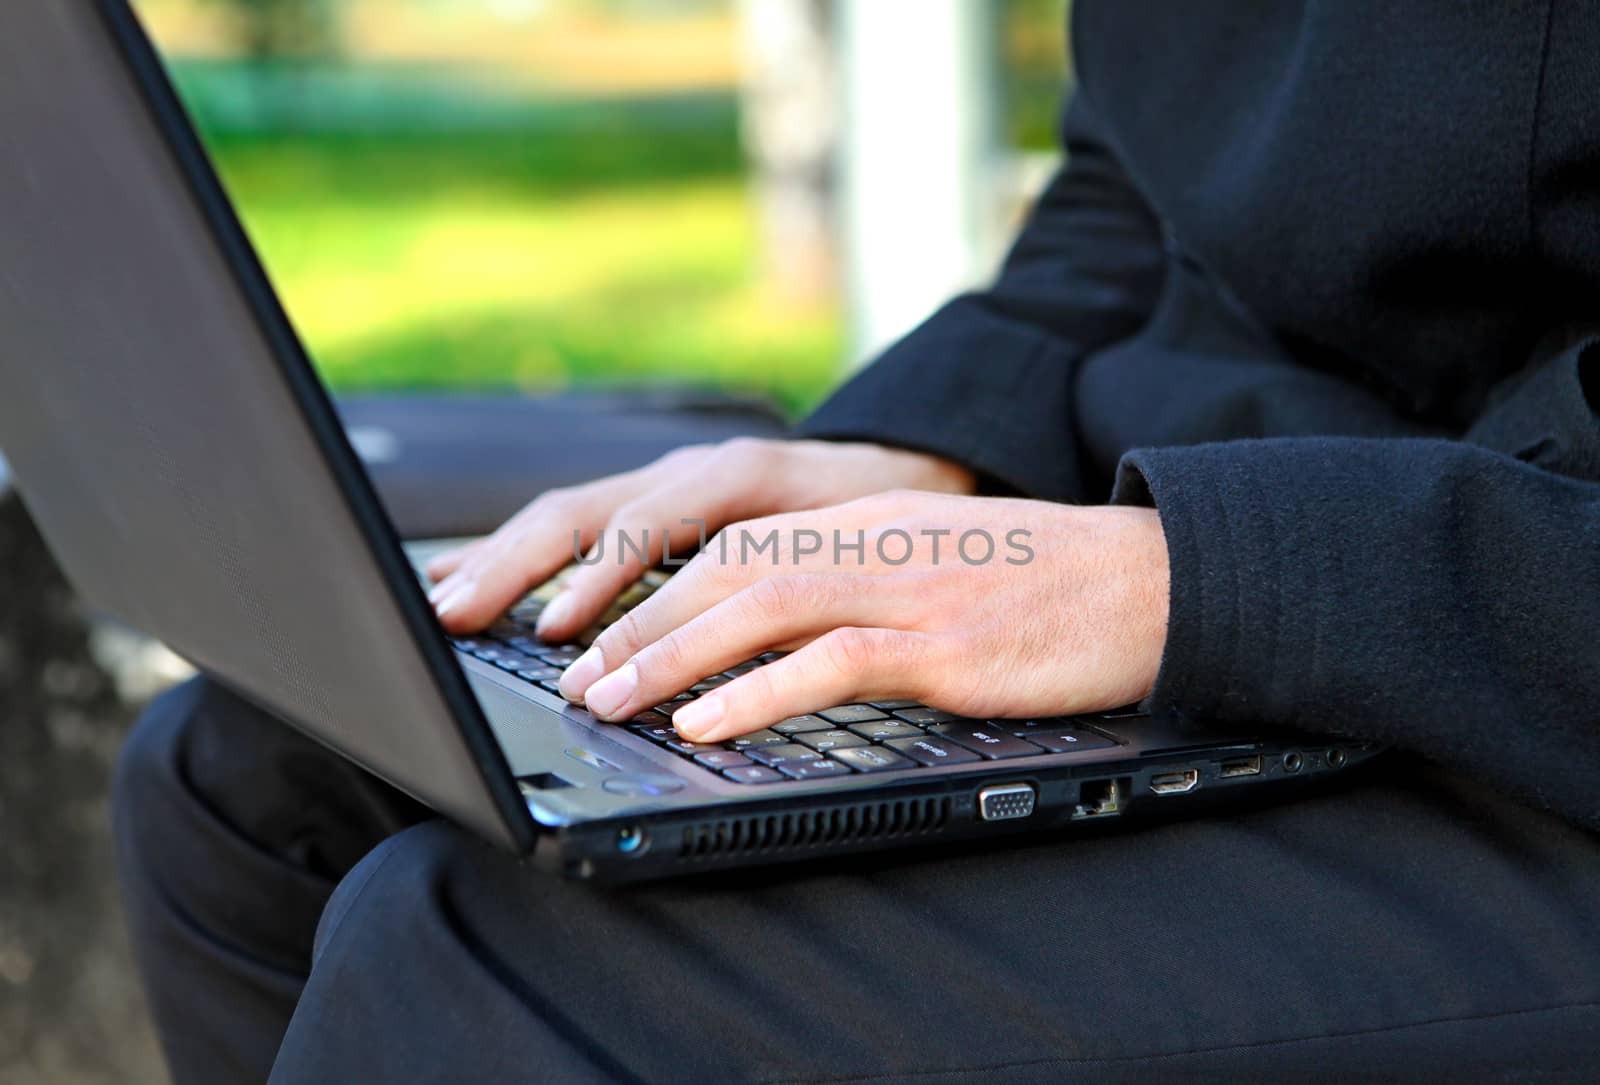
column 1175, row 783
column 1241, row 766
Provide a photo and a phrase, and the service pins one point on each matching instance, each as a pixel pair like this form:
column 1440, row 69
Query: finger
column 786, row 610
column 716, row 573
column 522, row 554
column 633, row 541
column 443, row 564
column 842, row 666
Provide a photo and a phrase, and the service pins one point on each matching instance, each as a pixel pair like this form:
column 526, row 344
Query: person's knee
column 390, row 894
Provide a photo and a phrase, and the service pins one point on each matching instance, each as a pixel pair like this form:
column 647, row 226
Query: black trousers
column 295, row 917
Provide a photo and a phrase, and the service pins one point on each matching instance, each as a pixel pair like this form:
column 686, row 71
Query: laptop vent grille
column 831, row 826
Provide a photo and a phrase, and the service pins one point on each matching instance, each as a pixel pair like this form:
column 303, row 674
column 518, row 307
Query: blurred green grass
column 590, row 243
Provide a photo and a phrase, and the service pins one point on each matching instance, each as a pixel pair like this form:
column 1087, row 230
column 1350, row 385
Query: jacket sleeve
column 987, row 381
column 1440, row 596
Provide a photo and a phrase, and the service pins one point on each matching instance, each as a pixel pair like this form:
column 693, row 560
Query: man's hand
column 1065, row 612
column 717, row 484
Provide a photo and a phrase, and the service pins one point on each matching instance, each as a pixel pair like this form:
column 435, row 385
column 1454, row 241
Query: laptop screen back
column 170, row 439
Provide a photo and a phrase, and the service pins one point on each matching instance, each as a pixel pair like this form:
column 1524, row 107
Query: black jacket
column 1315, row 282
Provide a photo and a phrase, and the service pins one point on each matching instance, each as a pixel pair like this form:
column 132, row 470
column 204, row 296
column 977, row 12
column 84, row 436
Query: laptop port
column 542, row 781
column 1100, row 798
column 1293, row 762
column 1004, row 802
column 1175, row 783
column 632, row 839
column 1240, row 766
column 1336, row 758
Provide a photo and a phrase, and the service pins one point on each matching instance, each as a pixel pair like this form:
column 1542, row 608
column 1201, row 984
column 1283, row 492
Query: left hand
column 1065, row 613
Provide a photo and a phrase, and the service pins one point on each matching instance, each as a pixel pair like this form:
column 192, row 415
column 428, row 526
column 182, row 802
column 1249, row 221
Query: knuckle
column 742, row 449
column 757, row 687
column 744, row 462
column 630, row 515
column 852, row 650
column 684, row 455
column 967, row 675
column 555, row 501
column 721, row 558
column 784, row 596
column 666, row 657
column 620, row 640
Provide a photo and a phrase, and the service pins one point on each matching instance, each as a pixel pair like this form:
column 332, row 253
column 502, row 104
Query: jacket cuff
column 1229, row 523
column 973, row 387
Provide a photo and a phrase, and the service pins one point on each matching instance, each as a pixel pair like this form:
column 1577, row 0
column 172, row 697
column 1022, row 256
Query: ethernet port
column 1101, row 798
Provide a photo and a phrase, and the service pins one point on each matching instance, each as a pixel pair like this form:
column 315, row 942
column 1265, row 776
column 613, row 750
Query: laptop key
column 1070, row 741
column 537, row 673
column 923, row 716
column 721, row 759
column 649, row 718
column 890, row 706
column 932, row 750
column 753, row 774
column 851, row 713
column 659, row 732
column 796, row 725
column 777, row 755
column 839, row 739
column 564, row 656
column 984, row 738
column 814, row 770
column 757, row 738
column 872, row 759
column 883, row 730
column 688, row 748
column 1126, row 712
column 1044, row 725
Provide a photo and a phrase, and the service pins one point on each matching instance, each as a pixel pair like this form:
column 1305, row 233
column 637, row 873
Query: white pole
column 917, row 109
column 790, row 130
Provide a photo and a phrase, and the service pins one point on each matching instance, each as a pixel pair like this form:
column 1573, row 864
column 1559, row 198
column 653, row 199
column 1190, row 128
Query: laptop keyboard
column 872, row 737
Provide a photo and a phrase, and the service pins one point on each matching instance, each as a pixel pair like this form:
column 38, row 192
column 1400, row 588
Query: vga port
column 1005, row 802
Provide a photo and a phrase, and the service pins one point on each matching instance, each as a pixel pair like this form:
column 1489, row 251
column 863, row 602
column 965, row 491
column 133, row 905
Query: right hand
column 719, row 484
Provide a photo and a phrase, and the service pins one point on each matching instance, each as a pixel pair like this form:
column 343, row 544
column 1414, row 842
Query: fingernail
column 554, row 613
column 454, row 599
column 583, row 672
column 696, row 719
column 607, row 696
column 441, row 589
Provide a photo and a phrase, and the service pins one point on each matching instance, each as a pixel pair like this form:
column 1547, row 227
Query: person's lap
column 1409, row 925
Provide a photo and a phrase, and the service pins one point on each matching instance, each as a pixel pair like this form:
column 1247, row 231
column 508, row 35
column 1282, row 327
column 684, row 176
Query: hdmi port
column 1243, row 766
column 1175, row 783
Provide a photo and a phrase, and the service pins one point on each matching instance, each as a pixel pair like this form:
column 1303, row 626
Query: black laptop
column 186, row 467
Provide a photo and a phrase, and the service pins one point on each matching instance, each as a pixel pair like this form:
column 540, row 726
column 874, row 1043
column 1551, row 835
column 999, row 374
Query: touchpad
column 566, row 741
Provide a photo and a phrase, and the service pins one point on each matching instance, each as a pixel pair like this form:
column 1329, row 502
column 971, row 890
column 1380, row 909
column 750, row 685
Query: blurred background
column 519, row 197
column 536, row 194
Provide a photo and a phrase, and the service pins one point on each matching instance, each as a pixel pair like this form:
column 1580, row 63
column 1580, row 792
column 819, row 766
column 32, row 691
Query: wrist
column 1132, row 578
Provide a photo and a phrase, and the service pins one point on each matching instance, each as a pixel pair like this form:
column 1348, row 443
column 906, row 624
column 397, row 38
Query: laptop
column 188, row 470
